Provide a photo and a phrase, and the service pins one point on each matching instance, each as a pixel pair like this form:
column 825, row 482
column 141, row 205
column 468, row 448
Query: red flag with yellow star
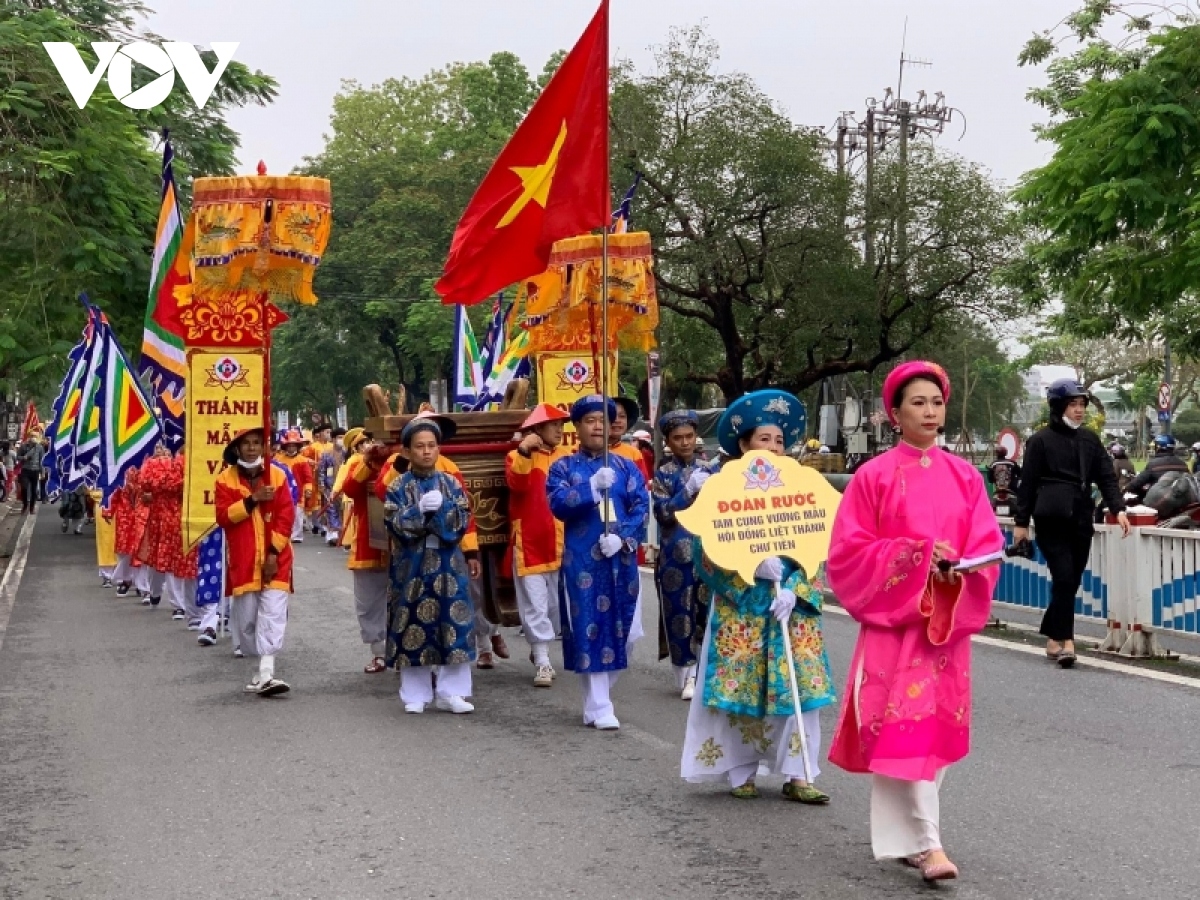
column 549, row 182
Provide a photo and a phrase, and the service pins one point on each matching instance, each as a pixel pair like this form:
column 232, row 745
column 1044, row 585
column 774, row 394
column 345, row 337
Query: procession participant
column 600, row 571
column 430, row 617
column 129, row 519
column 320, row 444
column 301, row 468
column 906, row 516
column 71, row 508
column 628, row 413
column 328, row 466
column 353, row 443
column 536, row 536
column 255, row 510
column 675, row 486
column 743, row 716
column 489, row 642
column 152, row 552
column 368, row 566
column 162, row 489
column 106, row 541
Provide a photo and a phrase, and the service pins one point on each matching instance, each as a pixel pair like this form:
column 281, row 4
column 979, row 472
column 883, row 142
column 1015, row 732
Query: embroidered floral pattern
column 710, row 752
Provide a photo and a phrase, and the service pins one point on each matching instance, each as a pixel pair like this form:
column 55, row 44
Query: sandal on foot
column 375, row 666
column 1066, row 659
column 942, row 871
column 804, row 793
column 485, row 660
column 746, row 791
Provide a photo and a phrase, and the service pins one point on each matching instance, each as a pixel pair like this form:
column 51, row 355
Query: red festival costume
column 247, row 533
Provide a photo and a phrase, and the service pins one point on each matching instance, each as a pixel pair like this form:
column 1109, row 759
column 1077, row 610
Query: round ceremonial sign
column 1010, row 441
column 764, row 505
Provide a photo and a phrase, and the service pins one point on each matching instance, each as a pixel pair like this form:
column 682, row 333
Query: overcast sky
column 814, row 57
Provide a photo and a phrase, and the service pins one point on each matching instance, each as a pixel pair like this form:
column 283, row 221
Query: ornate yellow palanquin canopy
column 256, row 235
column 562, row 305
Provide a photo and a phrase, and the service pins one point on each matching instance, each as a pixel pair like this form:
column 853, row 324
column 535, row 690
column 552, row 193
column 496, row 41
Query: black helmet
column 1064, row 391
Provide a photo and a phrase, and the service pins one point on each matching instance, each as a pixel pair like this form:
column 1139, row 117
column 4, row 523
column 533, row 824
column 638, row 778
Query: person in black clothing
column 1122, row 466
column 1163, row 461
column 1062, row 461
column 1005, row 476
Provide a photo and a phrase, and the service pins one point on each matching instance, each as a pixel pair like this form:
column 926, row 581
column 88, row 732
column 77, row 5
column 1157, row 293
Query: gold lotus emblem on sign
column 224, row 319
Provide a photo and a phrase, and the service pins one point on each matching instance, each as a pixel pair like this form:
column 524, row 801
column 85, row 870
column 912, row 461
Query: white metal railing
column 1134, row 585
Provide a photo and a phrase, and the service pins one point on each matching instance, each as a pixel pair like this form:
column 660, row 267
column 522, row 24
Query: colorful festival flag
column 495, row 339
column 128, row 427
column 549, row 182
column 621, row 215
column 162, row 365
column 31, row 420
column 512, row 365
column 66, row 407
column 468, row 376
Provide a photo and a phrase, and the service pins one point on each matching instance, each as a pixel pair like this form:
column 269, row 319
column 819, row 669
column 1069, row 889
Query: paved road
column 131, row 766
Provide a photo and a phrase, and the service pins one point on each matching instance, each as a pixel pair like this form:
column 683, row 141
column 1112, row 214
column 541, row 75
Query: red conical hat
column 544, row 412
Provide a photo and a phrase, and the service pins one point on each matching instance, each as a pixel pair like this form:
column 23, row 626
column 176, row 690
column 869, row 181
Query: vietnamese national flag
column 549, row 182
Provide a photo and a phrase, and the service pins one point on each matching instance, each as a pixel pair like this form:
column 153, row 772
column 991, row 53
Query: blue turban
column 678, row 418
column 767, row 407
column 590, row 404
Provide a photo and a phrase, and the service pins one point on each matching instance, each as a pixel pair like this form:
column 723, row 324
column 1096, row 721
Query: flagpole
column 604, row 385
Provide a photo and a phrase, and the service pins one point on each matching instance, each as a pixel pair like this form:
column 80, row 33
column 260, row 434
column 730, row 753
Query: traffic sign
column 1010, row 441
column 1164, row 397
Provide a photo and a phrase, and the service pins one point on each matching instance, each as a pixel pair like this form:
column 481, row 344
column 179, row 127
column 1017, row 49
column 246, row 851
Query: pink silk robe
column 911, row 712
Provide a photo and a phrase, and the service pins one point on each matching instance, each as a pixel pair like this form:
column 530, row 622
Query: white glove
column 431, row 502
column 696, row 481
column 610, row 544
column 770, row 569
column 783, row 604
column 603, row 480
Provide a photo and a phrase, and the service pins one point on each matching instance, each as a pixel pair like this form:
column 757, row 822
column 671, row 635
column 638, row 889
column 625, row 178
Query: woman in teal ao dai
column 742, row 714
column 429, row 610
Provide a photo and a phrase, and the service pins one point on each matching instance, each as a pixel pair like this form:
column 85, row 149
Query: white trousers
column 154, row 580
column 107, row 572
column 682, row 674
column 370, row 605
column 259, row 621
column 416, row 682
column 210, row 616
column 483, row 628
column 537, row 603
column 124, row 572
column 181, row 594
column 298, row 524
column 905, row 816
column 597, row 702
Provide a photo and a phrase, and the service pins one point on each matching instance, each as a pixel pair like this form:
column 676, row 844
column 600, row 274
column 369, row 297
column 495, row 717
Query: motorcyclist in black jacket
column 1062, row 462
column 1163, row 461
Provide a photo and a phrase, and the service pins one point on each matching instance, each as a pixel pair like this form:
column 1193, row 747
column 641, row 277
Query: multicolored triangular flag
column 128, row 427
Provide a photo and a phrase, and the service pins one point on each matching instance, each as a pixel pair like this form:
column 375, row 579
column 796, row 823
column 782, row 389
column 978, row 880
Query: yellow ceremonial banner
column 224, row 396
column 763, row 505
column 565, row 377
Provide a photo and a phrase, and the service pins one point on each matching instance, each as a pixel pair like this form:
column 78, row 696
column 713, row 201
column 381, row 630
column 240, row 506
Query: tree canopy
column 79, row 188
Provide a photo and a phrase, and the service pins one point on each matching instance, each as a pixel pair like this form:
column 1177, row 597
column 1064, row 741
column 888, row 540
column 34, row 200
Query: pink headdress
column 906, row 371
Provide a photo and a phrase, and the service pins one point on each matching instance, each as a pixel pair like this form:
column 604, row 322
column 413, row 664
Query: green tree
column 404, row 158
column 751, row 236
column 1118, row 206
column 79, row 189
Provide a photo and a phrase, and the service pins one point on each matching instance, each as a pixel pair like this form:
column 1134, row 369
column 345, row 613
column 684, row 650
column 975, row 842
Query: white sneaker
column 607, row 723
column 544, row 676
column 238, row 654
column 254, row 685
column 193, row 625
column 414, row 708
column 689, row 688
column 456, row 705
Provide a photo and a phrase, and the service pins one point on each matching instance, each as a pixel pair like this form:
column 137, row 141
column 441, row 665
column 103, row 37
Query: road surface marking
column 12, row 577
